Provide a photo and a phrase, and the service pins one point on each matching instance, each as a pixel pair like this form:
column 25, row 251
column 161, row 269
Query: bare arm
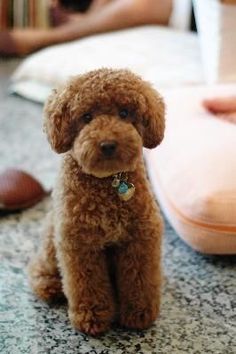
column 114, row 15
column 96, row 4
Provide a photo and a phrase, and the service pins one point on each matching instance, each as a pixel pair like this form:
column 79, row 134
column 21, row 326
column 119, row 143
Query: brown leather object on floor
column 19, row 190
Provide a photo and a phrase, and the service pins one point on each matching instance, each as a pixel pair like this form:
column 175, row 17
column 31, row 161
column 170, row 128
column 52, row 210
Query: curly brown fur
column 90, row 229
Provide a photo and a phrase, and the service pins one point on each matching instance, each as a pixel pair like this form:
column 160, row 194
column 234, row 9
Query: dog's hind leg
column 44, row 276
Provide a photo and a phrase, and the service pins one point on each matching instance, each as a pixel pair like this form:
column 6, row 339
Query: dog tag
column 128, row 194
column 124, row 189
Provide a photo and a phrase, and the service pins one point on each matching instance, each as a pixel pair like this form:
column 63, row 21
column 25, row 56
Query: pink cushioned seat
column 193, row 172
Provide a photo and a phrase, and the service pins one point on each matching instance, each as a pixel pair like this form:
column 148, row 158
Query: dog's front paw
column 91, row 322
column 137, row 318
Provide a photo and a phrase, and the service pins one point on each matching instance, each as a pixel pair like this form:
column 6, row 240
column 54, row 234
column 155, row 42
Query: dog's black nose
column 108, row 148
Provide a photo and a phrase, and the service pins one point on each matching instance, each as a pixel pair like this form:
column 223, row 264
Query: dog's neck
column 76, row 173
column 126, row 190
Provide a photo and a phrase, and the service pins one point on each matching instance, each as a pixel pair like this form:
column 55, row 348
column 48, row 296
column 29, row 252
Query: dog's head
column 105, row 117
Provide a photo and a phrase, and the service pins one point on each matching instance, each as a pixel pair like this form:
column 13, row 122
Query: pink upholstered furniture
column 193, row 172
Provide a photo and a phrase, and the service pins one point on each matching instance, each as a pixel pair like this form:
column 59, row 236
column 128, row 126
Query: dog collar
column 124, row 189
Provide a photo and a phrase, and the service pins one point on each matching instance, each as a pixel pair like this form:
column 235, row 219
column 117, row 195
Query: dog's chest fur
column 94, row 207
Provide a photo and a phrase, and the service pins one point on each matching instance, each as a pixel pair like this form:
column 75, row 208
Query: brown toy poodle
column 101, row 246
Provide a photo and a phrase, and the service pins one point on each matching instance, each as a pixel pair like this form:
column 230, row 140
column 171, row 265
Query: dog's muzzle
column 107, row 146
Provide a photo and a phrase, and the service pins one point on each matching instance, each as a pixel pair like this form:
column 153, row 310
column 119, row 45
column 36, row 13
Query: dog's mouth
column 102, row 167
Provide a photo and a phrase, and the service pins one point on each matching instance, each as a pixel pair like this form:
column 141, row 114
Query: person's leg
column 222, row 107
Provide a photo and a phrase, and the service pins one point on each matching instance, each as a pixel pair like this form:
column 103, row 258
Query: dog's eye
column 145, row 122
column 123, row 113
column 87, row 117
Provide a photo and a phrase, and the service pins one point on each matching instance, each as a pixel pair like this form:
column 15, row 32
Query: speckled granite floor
column 199, row 295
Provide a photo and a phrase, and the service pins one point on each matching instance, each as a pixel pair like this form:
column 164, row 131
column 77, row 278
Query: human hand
column 222, row 107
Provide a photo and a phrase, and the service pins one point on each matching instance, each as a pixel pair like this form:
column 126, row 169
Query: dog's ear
column 154, row 119
column 57, row 123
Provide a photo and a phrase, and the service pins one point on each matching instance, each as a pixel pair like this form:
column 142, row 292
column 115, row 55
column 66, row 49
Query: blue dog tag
column 123, row 188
